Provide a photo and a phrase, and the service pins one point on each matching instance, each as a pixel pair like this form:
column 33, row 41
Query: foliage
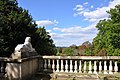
column 73, row 50
column 102, row 52
column 108, row 36
column 68, row 51
column 89, row 51
column 16, row 24
column 86, row 49
column 45, row 44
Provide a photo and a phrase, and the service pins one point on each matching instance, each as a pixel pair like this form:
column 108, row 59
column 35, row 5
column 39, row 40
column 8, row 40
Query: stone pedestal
column 21, row 69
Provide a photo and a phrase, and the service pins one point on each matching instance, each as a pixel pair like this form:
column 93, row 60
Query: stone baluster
column 62, row 66
column 110, row 67
column 80, row 67
column 66, row 65
column 41, row 66
column 115, row 67
column 105, row 68
column 45, row 65
column 100, row 67
column 71, row 66
column 49, row 65
column 53, row 65
column 2, row 67
column 90, row 67
column 85, row 66
column 75, row 66
column 57, row 66
column 95, row 68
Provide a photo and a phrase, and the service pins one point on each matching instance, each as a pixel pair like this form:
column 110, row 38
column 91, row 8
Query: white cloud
column 85, row 3
column 91, row 6
column 49, row 31
column 67, row 39
column 113, row 3
column 56, row 28
column 46, row 23
column 56, row 36
column 77, row 29
column 99, row 13
column 74, row 35
column 79, row 8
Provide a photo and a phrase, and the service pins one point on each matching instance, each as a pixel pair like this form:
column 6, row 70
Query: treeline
column 74, row 50
column 86, row 49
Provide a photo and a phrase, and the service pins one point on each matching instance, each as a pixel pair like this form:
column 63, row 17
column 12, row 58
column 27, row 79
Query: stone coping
column 10, row 60
column 83, row 57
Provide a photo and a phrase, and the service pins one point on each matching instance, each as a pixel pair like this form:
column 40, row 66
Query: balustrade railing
column 68, row 64
column 81, row 64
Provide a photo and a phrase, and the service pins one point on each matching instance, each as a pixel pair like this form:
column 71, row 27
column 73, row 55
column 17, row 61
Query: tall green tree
column 15, row 25
column 45, row 44
column 108, row 36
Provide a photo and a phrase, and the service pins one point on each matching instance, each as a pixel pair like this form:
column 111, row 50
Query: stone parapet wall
column 22, row 69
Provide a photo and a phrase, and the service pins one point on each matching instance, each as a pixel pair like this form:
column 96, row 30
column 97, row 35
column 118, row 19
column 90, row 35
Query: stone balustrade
column 21, row 69
column 80, row 64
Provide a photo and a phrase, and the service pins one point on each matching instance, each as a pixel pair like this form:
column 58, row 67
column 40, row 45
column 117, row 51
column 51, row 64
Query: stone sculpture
column 26, row 47
column 24, row 50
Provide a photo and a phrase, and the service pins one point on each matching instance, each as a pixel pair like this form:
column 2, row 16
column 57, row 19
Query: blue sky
column 69, row 21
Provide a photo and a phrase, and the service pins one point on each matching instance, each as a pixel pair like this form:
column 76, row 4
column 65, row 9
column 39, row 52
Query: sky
column 69, row 21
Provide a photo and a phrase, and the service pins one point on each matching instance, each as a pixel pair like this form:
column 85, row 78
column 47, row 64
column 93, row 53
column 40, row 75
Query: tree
column 45, row 44
column 68, row 51
column 89, row 51
column 59, row 50
column 108, row 36
column 15, row 25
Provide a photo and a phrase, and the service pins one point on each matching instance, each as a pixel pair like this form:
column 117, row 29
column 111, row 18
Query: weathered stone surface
column 22, row 70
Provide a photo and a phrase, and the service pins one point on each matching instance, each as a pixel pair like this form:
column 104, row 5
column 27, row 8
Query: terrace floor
column 74, row 76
